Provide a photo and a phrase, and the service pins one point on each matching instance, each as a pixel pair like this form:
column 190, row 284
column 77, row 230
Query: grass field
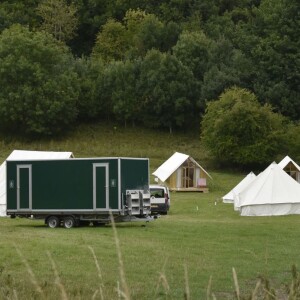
column 174, row 257
column 110, row 140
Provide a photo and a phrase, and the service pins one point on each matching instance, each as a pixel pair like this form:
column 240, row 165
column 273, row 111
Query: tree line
column 156, row 64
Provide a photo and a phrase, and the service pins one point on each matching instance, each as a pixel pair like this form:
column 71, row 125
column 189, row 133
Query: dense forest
column 150, row 63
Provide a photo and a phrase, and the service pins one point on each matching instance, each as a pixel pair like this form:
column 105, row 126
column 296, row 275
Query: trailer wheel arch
column 52, row 221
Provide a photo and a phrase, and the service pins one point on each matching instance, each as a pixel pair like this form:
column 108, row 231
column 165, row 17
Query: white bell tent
column 272, row 193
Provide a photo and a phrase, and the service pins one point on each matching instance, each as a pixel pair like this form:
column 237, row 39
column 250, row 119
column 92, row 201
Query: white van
column 160, row 199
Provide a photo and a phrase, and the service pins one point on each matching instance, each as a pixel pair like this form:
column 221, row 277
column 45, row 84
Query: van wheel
column 53, row 222
column 69, row 222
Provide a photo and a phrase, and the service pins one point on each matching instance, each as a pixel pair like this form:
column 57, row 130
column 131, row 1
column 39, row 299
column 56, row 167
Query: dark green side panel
column 61, row 185
column 64, row 184
column 134, row 174
column 75, row 184
column 11, row 185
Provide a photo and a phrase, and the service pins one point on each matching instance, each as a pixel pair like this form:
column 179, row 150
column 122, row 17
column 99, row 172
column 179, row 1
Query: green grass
column 110, row 140
column 208, row 239
column 200, row 235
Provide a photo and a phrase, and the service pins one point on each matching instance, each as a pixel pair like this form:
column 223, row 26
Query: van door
column 24, row 187
column 100, row 186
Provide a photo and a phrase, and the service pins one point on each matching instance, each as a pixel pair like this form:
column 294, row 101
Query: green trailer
column 76, row 191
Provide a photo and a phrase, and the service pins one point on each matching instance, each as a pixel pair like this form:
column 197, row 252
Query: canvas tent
column 291, row 168
column 182, row 173
column 229, row 197
column 23, row 155
column 272, row 192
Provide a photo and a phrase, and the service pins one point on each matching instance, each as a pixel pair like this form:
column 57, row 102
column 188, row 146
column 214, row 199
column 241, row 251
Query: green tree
column 168, row 90
column 144, row 32
column 21, row 12
column 124, row 77
column 138, row 33
column 193, row 49
column 215, row 64
column 91, row 16
column 59, row 18
column 228, row 67
column 238, row 130
column 271, row 40
column 291, row 146
column 111, row 43
column 91, row 99
column 170, row 35
column 39, row 91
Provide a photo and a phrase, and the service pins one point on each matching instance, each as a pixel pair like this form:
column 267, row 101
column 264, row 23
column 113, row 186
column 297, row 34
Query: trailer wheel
column 53, row 222
column 69, row 222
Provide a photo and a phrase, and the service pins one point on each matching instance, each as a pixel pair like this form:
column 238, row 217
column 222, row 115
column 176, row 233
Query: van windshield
column 157, row 193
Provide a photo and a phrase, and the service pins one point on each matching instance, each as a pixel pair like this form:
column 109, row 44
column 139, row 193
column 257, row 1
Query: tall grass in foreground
column 262, row 290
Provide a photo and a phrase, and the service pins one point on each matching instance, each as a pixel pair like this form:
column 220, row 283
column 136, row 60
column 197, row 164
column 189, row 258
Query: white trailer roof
column 26, row 154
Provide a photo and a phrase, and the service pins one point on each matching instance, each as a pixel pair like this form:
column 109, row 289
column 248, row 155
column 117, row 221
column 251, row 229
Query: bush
column 238, row 130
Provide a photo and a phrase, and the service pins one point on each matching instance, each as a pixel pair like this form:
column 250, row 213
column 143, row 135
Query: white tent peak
column 229, row 197
column 286, row 160
column 172, row 164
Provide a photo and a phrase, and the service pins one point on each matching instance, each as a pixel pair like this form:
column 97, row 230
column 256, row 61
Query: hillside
column 109, row 139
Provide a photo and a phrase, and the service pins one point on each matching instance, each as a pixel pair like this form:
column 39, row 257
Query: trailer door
column 100, row 186
column 24, row 187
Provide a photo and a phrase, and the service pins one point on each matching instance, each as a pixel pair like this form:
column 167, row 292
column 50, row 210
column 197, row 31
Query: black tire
column 69, row 222
column 53, row 222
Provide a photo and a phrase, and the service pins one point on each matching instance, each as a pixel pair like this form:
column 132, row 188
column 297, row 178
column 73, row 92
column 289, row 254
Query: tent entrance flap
column 188, row 174
column 188, row 177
